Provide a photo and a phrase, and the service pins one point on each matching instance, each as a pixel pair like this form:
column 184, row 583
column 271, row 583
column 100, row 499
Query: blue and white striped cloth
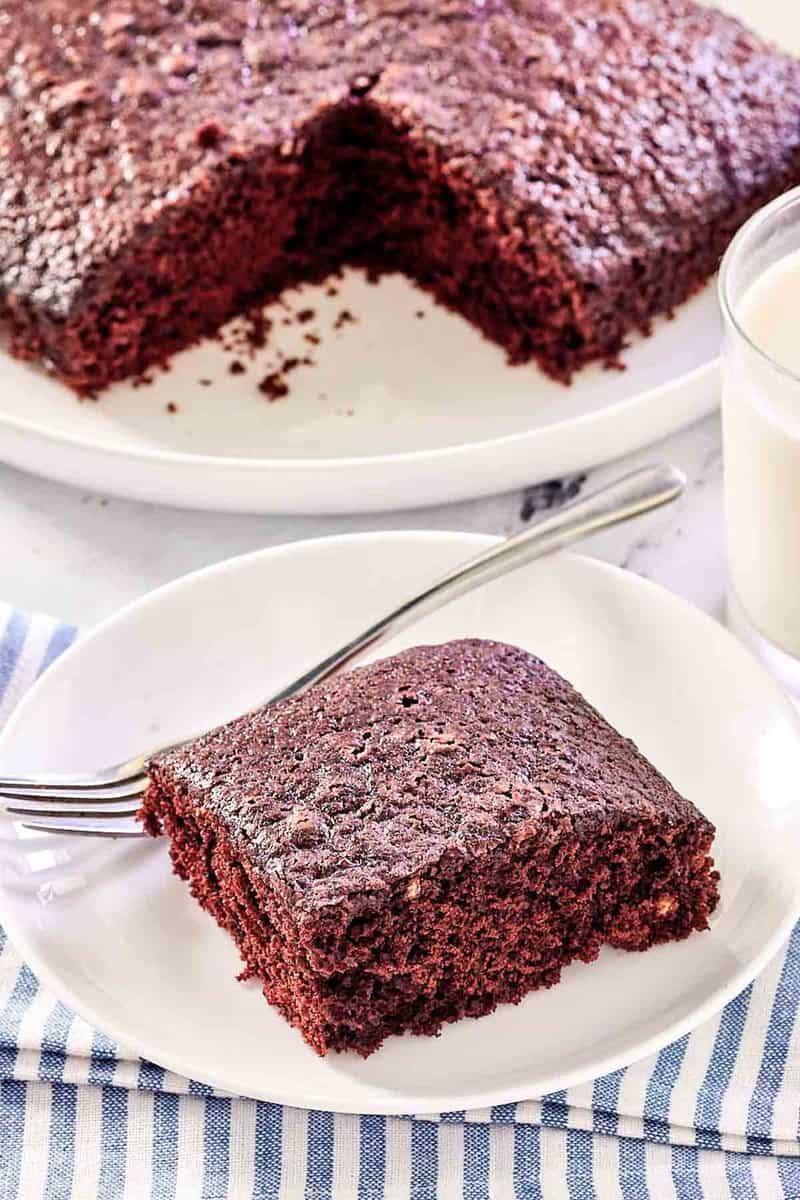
column 714, row 1115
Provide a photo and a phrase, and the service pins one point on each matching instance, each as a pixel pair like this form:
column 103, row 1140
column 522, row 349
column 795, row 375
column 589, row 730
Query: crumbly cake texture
column 428, row 837
column 558, row 171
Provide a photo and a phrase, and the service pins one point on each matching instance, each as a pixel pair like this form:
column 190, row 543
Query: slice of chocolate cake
column 558, row 171
column 426, row 838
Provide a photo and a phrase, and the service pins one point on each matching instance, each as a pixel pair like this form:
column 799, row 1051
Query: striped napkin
column 714, row 1115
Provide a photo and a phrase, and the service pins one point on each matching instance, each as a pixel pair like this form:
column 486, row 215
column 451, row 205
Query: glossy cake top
column 600, row 126
column 367, row 779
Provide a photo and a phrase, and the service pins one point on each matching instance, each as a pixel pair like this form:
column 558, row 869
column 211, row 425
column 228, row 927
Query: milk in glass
column 761, row 419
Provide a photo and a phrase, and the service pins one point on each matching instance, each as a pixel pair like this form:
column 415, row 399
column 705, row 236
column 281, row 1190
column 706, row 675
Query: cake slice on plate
column 426, row 838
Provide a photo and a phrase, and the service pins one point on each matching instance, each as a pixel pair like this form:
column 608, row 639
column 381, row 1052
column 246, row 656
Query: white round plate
column 118, row 937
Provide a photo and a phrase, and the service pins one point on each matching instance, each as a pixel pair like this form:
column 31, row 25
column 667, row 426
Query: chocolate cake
column 558, row 171
column 426, row 838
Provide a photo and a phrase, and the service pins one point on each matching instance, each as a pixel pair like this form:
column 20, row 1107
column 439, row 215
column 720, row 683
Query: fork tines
column 96, row 806
column 111, row 827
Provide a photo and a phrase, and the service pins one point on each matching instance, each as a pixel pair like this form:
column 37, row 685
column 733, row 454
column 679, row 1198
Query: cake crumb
column 256, row 329
column 313, row 339
column 305, row 315
column 331, row 290
column 274, row 386
column 237, row 367
column 345, row 317
column 419, row 314
column 172, row 407
column 205, row 382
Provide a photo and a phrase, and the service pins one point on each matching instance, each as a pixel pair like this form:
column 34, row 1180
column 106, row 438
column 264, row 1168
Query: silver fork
column 104, row 804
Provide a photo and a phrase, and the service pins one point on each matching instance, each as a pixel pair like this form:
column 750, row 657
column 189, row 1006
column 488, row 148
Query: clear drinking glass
column 760, row 298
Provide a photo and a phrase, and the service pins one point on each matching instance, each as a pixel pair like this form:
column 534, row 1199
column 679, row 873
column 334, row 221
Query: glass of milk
column 760, row 297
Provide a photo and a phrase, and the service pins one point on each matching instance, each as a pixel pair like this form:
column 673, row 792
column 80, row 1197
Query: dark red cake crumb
column 305, row 315
column 237, row 367
column 295, row 361
column 313, row 339
column 426, row 838
column 257, row 326
column 345, row 317
column 274, row 386
column 331, row 290
column 172, row 406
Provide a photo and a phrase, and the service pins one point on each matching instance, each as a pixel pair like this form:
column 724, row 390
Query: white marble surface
column 81, row 556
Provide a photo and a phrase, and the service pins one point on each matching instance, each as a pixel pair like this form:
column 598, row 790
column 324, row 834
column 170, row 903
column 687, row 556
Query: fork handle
column 637, row 493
